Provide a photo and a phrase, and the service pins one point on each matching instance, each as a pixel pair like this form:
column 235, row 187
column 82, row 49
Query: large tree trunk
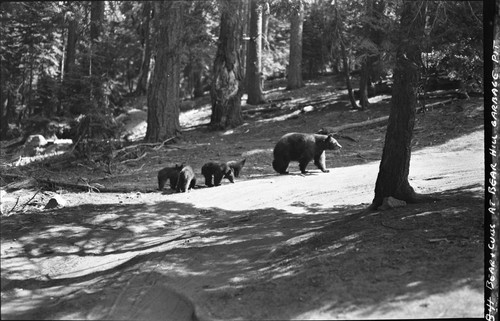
column 295, row 61
column 142, row 81
column 254, row 57
column 392, row 179
column 226, row 89
column 163, row 92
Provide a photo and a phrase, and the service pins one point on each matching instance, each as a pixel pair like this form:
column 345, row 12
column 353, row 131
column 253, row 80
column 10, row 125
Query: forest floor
column 268, row 246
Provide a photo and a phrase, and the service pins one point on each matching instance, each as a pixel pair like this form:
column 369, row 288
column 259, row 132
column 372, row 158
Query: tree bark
column 198, row 79
column 95, row 65
column 226, row 89
column 295, row 61
column 347, row 75
column 163, row 92
column 363, row 84
column 265, row 25
column 70, row 45
column 254, row 56
column 392, row 178
column 142, row 81
column 345, row 61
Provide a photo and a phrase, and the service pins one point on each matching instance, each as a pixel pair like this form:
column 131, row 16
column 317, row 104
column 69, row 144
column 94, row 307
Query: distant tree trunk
column 392, row 178
column 226, row 89
column 347, row 75
column 70, row 45
column 163, row 92
column 363, row 84
column 265, row 25
column 295, row 61
column 345, row 61
column 198, row 79
column 254, row 56
column 95, row 65
column 142, row 81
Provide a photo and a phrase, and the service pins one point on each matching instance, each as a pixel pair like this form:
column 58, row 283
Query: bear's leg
column 320, row 162
column 193, row 183
column 217, row 179
column 161, row 183
column 208, row 180
column 173, row 183
column 280, row 166
column 188, row 185
column 303, row 164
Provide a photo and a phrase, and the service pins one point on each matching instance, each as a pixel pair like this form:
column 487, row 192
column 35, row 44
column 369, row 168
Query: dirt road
column 276, row 247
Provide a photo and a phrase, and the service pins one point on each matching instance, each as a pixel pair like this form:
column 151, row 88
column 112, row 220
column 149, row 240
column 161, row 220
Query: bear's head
column 229, row 174
column 332, row 143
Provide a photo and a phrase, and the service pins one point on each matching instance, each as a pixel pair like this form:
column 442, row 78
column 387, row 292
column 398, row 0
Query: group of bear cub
column 291, row 147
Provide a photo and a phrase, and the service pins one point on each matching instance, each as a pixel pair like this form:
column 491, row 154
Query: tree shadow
column 328, row 259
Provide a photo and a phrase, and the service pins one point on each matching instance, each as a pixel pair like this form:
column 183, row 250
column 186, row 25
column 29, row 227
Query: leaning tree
column 394, row 168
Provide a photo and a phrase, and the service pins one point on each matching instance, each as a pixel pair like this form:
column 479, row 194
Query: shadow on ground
column 267, row 263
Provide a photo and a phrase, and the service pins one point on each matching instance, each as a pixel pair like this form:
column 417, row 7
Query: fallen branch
column 38, row 191
column 158, row 145
column 434, row 105
column 135, row 159
column 334, row 130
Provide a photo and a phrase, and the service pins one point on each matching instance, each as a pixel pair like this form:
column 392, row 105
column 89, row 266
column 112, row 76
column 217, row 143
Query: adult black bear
column 170, row 174
column 237, row 166
column 302, row 148
column 217, row 171
column 186, row 180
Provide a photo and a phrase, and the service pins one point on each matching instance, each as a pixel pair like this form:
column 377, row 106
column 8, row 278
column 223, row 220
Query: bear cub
column 237, row 166
column 218, row 171
column 186, row 179
column 169, row 174
column 303, row 148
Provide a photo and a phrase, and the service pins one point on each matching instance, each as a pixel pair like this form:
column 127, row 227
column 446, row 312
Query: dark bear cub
column 237, row 166
column 169, row 174
column 303, row 148
column 186, row 179
column 218, row 171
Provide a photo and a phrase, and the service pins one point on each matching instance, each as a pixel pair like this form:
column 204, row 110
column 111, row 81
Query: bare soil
column 268, row 246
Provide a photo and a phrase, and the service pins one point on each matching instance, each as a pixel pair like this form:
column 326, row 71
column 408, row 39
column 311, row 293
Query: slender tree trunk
column 95, row 66
column 347, row 75
column 70, row 46
column 198, row 79
column 226, row 87
column 392, row 178
column 295, row 61
column 363, row 85
column 142, row 81
column 254, row 56
column 345, row 61
column 163, row 92
column 265, row 25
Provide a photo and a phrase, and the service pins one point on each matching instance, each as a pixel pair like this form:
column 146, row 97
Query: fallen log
column 51, row 184
column 334, row 130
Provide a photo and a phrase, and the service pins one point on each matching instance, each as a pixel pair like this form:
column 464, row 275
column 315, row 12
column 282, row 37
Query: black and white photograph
column 214, row 160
